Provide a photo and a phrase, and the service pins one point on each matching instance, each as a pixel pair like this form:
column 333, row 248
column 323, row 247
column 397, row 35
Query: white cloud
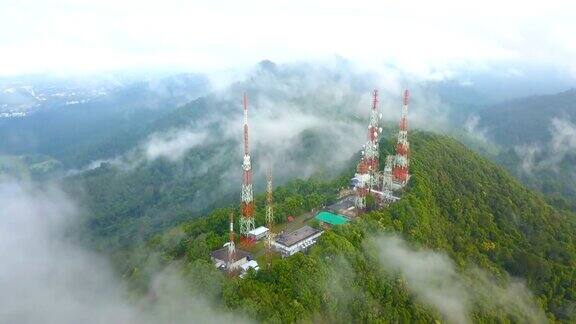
column 471, row 126
column 173, row 144
column 549, row 155
column 436, row 281
column 425, row 38
column 527, row 154
column 45, row 278
column 563, row 136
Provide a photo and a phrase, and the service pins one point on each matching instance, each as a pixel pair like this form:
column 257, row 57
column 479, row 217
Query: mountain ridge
column 457, row 202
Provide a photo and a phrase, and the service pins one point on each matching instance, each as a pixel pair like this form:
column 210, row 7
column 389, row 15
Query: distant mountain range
column 537, row 137
column 528, row 120
column 23, row 96
column 65, row 121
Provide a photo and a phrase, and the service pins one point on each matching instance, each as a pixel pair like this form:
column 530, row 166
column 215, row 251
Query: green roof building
column 331, row 218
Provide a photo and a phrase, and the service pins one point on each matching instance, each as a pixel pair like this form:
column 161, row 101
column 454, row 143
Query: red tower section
column 372, row 155
column 401, row 161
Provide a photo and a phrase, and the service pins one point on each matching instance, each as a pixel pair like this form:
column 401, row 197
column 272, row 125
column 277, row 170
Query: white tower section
column 247, row 198
column 387, row 184
column 231, row 247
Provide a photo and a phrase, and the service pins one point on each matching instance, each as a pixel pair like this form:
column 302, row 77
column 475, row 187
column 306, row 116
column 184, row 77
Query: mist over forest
column 121, row 161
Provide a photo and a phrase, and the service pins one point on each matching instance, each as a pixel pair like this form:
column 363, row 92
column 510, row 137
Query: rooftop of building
column 289, row 239
column 331, row 218
column 343, row 204
column 222, row 254
column 258, row 231
column 250, row 264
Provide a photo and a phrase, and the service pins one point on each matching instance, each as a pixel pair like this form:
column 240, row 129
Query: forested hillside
column 187, row 161
column 457, row 204
column 537, row 136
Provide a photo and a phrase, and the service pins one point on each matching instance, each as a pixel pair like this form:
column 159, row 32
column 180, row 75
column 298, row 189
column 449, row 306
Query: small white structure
column 252, row 264
column 299, row 240
column 258, row 233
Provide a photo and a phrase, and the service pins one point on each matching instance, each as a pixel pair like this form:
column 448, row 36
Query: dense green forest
column 457, row 202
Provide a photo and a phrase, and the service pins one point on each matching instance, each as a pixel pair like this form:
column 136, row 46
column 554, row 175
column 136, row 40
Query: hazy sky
column 79, row 36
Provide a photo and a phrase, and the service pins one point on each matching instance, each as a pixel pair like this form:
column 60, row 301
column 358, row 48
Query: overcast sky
column 85, row 36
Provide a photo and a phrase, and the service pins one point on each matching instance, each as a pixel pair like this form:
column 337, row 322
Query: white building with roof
column 220, row 258
column 252, row 264
column 297, row 241
column 258, row 233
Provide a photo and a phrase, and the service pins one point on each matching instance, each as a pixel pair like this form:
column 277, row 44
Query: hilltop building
column 297, row 241
column 252, row 264
column 344, row 206
column 220, row 258
column 258, row 233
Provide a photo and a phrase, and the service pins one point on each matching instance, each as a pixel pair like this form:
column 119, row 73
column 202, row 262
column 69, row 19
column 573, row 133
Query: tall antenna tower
column 401, row 161
column 371, row 150
column 367, row 170
column 247, row 204
column 269, row 218
column 231, row 246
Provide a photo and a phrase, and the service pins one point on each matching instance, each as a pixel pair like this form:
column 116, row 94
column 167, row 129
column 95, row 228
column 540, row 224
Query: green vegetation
column 457, row 202
column 557, row 181
column 126, row 206
column 464, row 205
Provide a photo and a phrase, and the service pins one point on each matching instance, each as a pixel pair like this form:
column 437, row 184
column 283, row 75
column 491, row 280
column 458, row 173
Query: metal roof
column 258, row 231
column 289, row 239
column 343, row 204
column 250, row 264
column 222, row 254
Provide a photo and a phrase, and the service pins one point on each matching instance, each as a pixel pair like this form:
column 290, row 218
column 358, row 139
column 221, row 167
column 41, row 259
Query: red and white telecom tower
column 401, row 161
column 371, row 150
column 247, row 204
column 367, row 170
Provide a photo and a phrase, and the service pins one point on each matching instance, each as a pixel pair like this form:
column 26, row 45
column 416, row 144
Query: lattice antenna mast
column 367, row 169
column 269, row 198
column 401, row 161
column 387, row 182
column 371, row 150
column 269, row 217
column 247, row 204
column 231, row 246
